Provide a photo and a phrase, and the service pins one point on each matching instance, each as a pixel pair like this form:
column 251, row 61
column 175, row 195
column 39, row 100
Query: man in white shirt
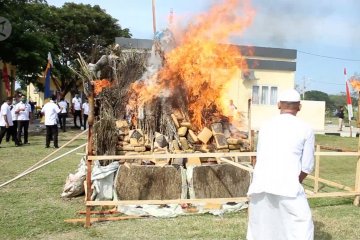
column 23, row 112
column 6, row 123
column 14, row 119
column 285, row 156
column 76, row 109
column 63, row 113
column 51, row 111
column 85, row 108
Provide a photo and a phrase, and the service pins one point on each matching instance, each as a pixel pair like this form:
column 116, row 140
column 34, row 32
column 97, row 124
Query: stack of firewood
column 218, row 137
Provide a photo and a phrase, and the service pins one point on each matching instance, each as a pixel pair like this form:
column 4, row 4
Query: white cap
column 289, row 95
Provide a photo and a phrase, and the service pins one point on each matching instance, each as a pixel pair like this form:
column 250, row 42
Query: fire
column 200, row 68
column 355, row 82
column 100, row 84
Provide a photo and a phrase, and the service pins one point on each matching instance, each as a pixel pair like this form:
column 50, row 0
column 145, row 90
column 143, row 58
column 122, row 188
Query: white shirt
column 13, row 114
column 285, row 148
column 85, row 107
column 5, row 111
column 63, row 106
column 77, row 103
column 24, row 111
column 51, row 111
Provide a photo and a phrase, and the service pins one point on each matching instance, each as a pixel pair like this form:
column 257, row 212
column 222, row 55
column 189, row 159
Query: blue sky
column 322, row 27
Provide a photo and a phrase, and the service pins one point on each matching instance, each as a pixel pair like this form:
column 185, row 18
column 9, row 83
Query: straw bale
column 220, row 181
column 148, row 182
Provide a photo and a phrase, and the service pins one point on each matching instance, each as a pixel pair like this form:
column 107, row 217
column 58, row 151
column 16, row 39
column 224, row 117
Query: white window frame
column 268, row 96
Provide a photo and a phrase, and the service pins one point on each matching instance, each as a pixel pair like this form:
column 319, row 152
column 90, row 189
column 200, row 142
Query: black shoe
column 47, row 146
column 56, row 146
column 26, row 143
column 18, row 145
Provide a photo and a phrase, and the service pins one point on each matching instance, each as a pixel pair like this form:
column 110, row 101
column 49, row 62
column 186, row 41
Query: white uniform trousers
column 274, row 217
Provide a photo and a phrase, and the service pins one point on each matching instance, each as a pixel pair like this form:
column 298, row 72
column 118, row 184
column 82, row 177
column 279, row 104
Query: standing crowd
column 17, row 113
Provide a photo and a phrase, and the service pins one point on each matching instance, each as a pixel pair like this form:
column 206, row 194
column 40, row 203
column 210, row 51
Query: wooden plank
column 357, row 183
column 344, row 154
column 331, row 183
column 239, row 165
column 317, row 170
column 92, row 220
column 333, row 194
column 114, row 211
column 170, row 201
column 173, row 155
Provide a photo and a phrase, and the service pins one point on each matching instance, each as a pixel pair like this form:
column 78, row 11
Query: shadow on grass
column 319, row 233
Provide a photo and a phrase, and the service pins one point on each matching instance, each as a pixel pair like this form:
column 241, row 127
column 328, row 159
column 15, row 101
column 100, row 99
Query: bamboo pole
column 42, row 165
column 52, row 153
column 91, row 120
column 317, row 170
column 154, row 16
column 357, row 179
column 238, row 165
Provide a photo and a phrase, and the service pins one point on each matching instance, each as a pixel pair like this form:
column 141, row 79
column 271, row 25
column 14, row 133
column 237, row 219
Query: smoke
column 282, row 22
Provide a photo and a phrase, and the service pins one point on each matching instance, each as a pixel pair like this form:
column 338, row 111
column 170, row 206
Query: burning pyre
column 180, row 103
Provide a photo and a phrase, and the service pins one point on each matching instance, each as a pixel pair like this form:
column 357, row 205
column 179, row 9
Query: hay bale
column 160, row 140
column 148, row 182
column 220, row 181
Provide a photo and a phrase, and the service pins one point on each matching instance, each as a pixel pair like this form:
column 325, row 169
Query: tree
column 29, row 41
column 83, row 29
column 66, row 31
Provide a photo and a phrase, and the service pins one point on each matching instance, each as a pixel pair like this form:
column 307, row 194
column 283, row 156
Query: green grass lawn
column 31, row 207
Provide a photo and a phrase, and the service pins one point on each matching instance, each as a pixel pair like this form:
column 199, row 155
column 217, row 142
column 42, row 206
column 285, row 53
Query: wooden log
column 217, row 128
column 175, row 120
column 126, row 148
column 193, row 161
column 192, row 136
column 184, row 143
column 140, row 149
column 233, row 141
column 220, row 141
column 121, row 124
column 137, row 142
column 205, row 135
column 149, row 182
column 234, row 147
column 182, row 131
column 185, row 124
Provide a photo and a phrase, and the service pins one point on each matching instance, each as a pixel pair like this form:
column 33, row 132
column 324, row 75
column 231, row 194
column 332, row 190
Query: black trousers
column 76, row 114
column 52, row 133
column 85, row 120
column 10, row 134
column 4, row 130
column 23, row 125
column 62, row 120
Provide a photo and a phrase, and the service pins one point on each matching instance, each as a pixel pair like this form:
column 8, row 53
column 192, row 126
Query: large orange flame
column 355, row 82
column 201, row 66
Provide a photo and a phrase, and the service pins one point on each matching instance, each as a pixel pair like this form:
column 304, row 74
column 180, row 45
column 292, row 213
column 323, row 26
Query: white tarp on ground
column 173, row 210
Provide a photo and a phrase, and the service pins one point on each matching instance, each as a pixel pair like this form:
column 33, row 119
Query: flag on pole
column 348, row 98
column 49, row 66
column 5, row 76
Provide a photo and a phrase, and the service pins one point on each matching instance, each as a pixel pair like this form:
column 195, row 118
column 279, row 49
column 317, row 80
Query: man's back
column 285, row 148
